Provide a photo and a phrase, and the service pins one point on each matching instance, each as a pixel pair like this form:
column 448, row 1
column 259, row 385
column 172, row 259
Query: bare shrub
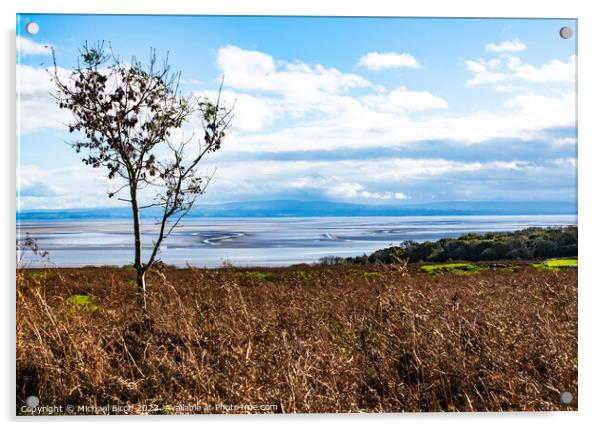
column 334, row 340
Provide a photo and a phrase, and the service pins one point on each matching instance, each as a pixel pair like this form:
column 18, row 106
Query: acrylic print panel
column 222, row 214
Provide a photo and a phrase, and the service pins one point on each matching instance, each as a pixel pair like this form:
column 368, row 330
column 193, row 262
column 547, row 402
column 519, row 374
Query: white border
column 590, row 94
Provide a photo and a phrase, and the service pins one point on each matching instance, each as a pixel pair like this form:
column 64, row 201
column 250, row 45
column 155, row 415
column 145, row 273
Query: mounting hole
column 32, row 401
column 566, row 32
column 32, row 28
column 566, row 398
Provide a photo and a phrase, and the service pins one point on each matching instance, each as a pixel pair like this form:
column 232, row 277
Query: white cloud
column 282, row 107
column 251, row 113
column 388, row 60
column 33, row 80
column 37, row 109
column 241, row 65
column 553, row 71
column 323, row 115
column 36, row 114
column 508, row 68
column 353, row 190
column 266, row 89
column 253, row 70
column 27, row 46
column 379, row 179
column 377, row 119
column 514, row 45
column 56, row 188
column 509, row 88
column 565, row 162
column 564, row 141
column 404, row 100
column 319, row 113
column 358, row 125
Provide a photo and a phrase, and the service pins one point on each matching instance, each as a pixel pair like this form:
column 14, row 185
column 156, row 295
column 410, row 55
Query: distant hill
column 300, row 208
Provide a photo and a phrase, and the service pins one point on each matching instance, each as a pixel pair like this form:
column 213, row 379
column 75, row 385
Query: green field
column 433, row 269
column 562, row 262
column 555, row 264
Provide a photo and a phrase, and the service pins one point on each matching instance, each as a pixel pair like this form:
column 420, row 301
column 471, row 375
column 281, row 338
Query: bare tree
column 125, row 116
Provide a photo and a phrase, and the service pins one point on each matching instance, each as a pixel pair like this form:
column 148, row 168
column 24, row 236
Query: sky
column 377, row 111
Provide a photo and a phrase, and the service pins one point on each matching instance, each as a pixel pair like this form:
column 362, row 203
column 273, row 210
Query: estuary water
column 211, row 242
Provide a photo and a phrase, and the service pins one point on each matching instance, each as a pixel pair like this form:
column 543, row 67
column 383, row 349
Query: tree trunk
column 141, row 289
column 140, row 271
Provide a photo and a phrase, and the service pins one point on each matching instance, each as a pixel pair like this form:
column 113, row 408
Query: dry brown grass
column 307, row 340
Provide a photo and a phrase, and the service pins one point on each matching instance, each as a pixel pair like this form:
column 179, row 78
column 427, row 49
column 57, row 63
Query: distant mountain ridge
column 300, row 208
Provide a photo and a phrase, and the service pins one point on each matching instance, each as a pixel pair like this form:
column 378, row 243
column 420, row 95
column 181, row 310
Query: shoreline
column 273, row 242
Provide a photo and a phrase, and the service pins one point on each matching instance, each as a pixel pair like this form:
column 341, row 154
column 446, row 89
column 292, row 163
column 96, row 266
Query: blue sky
column 365, row 110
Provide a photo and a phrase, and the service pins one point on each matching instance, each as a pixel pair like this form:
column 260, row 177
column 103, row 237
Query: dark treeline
column 531, row 243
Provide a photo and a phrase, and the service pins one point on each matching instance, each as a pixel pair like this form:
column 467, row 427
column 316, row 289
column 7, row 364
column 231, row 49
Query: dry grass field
column 303, row 339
